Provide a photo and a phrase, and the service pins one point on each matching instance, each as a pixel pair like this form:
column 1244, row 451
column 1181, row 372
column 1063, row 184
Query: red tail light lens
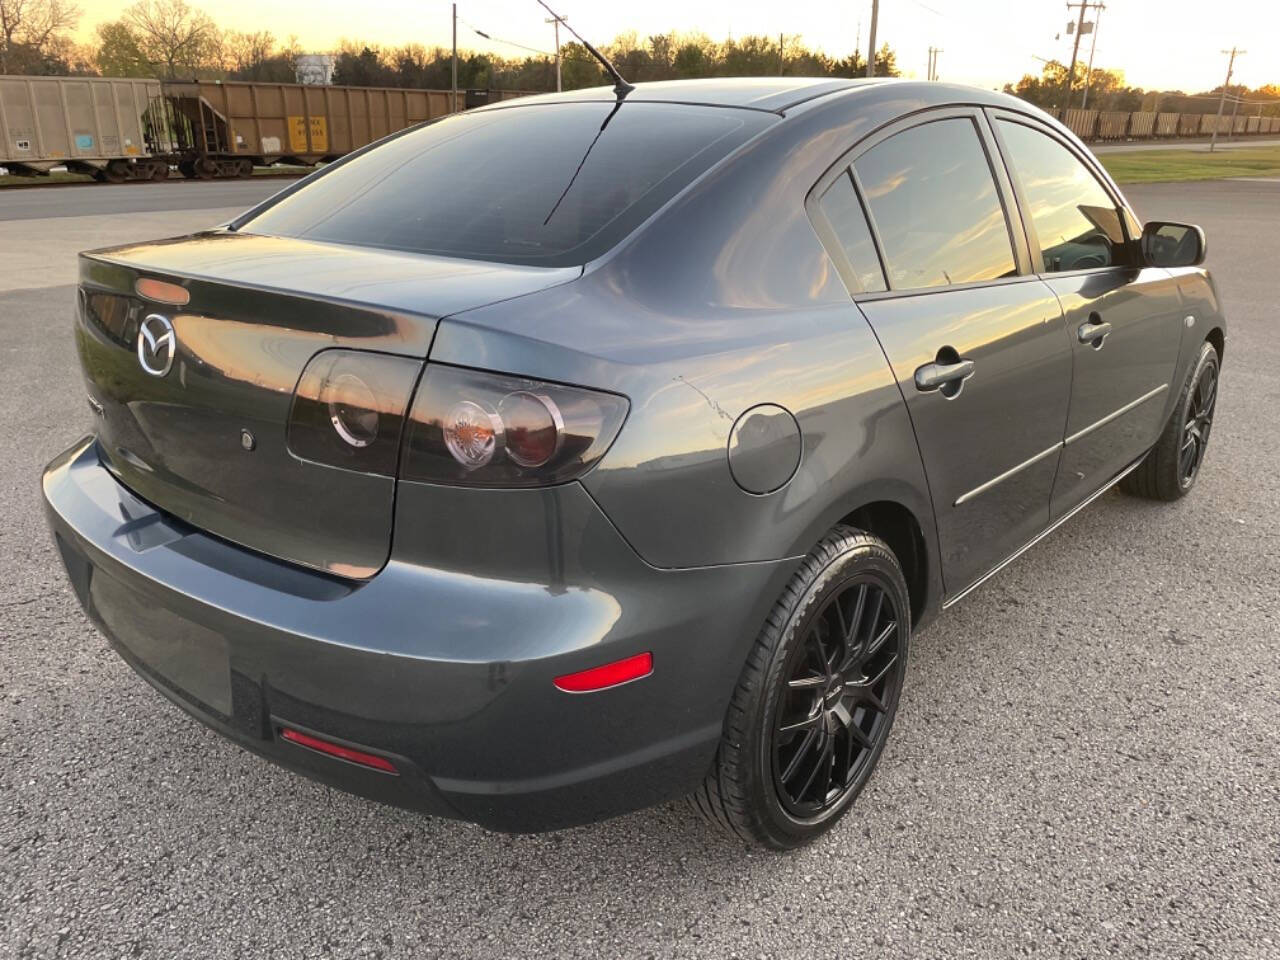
column 349, row 408
column 472, row 428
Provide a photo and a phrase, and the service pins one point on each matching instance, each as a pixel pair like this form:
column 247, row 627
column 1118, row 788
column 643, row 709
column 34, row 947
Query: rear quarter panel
column 725, row 300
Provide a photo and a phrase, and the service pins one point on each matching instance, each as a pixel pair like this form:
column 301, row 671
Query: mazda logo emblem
column 157, row 344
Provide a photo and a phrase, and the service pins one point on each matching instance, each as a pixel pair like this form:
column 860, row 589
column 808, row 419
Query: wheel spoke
column 814, row 647
column 1210, row 398
column 797, row 758
column 874, row 614
column 821, row 772
column 889, row 664
column 1204, row 388
column 860, row 737
column 858, row 607
column 1187, row 458
column 807, row 723
column 844, row 624
column 885, row 634
column 807, row 683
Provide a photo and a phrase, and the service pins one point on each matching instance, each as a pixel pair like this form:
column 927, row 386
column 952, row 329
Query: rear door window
column 1077, row 222
column 936, row 208
column 545, row 184
column 848, row 221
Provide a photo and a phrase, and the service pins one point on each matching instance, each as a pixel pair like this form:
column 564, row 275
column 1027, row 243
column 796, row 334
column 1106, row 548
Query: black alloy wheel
column 833, row 712
column 1199, row 421
column 1171, row 468
column 816, row 698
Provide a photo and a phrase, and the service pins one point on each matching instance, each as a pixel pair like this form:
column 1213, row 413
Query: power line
column 511, row 43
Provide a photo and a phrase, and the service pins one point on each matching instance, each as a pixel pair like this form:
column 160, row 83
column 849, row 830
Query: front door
column 976, row 343
column 1124, row 322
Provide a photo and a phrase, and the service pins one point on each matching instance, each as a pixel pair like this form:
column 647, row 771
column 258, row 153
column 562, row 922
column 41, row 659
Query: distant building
column 316, row 69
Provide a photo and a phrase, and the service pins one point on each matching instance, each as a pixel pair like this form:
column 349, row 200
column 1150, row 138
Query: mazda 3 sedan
column 583, row 451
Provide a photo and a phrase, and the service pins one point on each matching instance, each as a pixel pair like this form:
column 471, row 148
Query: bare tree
column 245, row 53
column 33, row 28
column 174, row 36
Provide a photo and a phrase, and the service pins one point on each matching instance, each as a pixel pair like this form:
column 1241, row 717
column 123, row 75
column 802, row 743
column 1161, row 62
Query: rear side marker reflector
column 162, row 292
column 342, row 753
column 607, row 675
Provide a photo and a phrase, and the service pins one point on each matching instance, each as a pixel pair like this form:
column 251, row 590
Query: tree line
column 1108, row 91
column 662, row 57
column 170, row 39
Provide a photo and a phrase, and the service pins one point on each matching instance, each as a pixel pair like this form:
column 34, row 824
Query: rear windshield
column 549, row 184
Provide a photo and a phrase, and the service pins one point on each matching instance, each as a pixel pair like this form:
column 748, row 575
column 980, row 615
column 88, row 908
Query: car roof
column 773, row 94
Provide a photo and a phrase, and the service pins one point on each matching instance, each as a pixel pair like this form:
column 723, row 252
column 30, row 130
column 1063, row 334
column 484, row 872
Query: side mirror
column 1172, row 244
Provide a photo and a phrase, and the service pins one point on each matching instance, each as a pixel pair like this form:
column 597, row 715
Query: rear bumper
column 442, row 667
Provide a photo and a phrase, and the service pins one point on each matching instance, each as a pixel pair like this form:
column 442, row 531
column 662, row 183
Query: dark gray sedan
column 582, row 451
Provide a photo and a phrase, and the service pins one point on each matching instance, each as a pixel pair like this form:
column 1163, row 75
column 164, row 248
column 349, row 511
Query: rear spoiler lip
column 547, row 277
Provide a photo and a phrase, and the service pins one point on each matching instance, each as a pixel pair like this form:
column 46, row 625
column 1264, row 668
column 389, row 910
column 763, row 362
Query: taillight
column 482, row 429
column 349, row 408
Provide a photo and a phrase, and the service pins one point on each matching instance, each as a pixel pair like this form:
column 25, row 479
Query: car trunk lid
column 204, row 437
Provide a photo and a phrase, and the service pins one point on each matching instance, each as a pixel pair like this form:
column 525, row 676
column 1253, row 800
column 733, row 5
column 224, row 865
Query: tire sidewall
column 863, row 559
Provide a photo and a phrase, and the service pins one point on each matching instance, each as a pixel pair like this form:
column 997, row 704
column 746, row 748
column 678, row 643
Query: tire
column 1165, row 473
column 755, row 789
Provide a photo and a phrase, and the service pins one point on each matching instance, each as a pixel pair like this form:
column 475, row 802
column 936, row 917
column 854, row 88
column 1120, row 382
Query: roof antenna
column 620, row 85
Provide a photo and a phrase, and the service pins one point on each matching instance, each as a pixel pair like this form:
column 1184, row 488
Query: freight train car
column 225, row 128
column 87, row 124
column 117, row 129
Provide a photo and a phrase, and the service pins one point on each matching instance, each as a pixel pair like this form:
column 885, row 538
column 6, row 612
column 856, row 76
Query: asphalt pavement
column 1086, row 761
column 96, row 199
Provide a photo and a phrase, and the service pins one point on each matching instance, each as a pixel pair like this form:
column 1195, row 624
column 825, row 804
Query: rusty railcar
column 227, row 127
column 129, row 129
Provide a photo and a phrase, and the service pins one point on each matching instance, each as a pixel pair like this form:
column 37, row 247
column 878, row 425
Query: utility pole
column 556, row 21
column 1213, row 141
column 933, row 62
column 781, row 52
column 455, row 58
column 871, row 45
column 1075, row 49
column 1093, row 45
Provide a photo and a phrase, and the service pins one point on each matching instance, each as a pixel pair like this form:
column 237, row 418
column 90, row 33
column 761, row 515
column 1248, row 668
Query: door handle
column 1093, row 331
column 937, row 376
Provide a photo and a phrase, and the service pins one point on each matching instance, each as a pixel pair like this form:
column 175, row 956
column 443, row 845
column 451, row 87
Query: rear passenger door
column 920, row 223
column 1124, row 321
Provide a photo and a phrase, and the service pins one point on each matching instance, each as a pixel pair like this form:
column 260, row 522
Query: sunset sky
column 1169, row 44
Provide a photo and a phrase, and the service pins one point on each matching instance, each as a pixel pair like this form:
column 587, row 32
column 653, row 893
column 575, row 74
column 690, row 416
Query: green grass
column 1156, row 166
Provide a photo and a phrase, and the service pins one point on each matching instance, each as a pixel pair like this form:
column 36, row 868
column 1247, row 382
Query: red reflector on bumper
column 339, row 751
column 608, row 675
